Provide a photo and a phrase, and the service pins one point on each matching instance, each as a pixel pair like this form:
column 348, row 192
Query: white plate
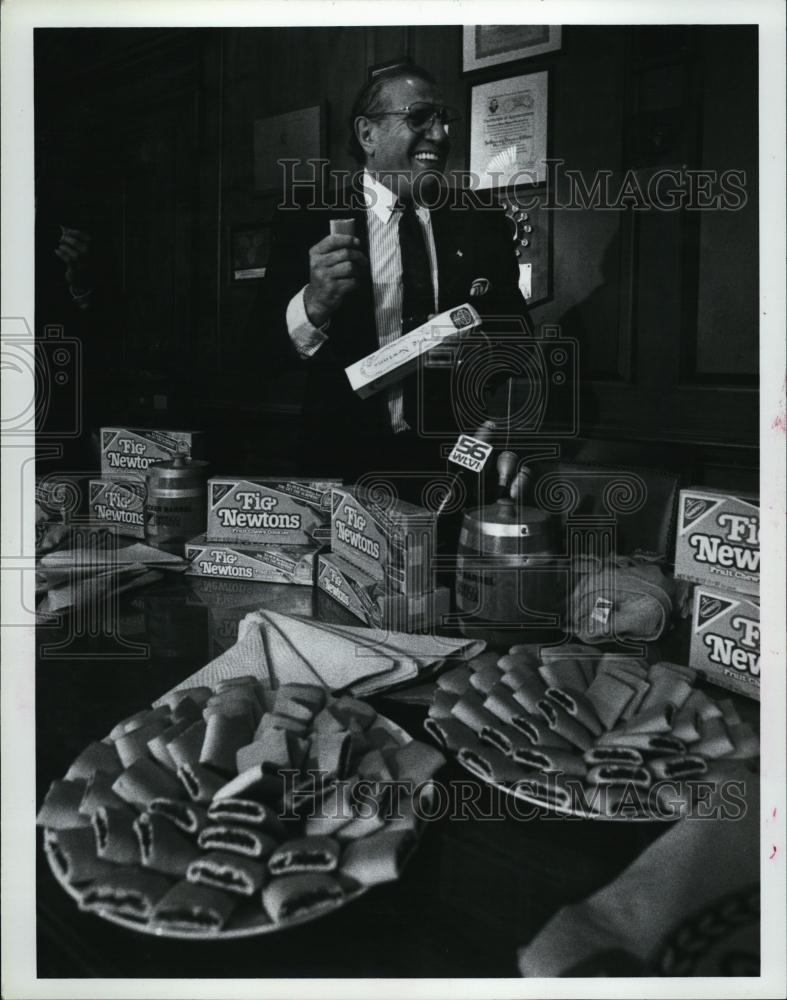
column 248, row 918
column 577, row 812
column 641, row 805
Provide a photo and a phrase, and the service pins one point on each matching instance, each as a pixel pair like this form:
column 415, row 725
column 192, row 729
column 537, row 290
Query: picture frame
column 509, row 130
column 294, row 135
column 486, row 45
column 249, row 250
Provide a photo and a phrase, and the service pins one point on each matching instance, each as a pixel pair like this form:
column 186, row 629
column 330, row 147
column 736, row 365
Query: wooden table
column 474, row 891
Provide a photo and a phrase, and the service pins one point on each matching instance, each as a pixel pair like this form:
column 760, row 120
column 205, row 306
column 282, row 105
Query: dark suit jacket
column 338, row 428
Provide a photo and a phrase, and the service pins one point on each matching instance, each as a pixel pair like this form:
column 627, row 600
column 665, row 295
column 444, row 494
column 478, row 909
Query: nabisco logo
column 711, row 607
column 694, row 508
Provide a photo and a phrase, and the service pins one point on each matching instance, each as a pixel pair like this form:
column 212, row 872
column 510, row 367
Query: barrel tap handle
column 506, row 463
column 520, row 485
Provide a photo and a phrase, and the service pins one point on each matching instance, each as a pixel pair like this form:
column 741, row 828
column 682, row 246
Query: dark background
column 145, row 139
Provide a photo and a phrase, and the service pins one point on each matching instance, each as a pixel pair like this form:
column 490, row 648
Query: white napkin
column 283, row 649
column 412, row 655
column 402, row 668
column 686, row 906
column 424, row 648
column 76, row 593
column 137, row 552
column 337, row 660
column 247, row 656
column 285, row 663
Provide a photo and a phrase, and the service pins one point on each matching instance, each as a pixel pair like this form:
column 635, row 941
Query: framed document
column 249, row 249
column 295, row 135
column 490, row 44
column 508, row 131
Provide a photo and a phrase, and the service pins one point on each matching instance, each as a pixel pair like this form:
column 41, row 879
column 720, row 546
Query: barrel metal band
column 504, row 530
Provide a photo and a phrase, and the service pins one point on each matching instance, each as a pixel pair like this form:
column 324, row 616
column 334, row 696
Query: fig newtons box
column 130, row 451
column 118, row 505
column 392, row 541
column 368, row 600
column 394, row 361
column 725, row 640
column 279, row 511
column 718, row 540
column 258, row 563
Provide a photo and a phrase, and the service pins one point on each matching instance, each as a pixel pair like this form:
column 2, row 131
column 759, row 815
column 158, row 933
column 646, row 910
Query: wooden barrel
column 506, row 569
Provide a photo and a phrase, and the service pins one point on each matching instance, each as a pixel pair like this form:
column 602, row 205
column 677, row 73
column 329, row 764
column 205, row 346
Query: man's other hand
column 74, row 249
column 335, row 268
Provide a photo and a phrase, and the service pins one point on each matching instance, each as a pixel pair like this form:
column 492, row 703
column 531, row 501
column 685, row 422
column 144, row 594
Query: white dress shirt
column 385, row 263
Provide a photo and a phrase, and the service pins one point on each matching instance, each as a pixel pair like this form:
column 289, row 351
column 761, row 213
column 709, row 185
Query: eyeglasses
column 421, row 116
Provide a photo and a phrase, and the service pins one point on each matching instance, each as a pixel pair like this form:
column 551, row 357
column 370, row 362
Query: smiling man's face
column 404, row 160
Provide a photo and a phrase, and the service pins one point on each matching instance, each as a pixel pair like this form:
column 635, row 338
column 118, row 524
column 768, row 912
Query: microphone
column 470, row 452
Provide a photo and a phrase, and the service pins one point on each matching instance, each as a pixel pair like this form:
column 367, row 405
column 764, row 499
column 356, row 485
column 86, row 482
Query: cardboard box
column 258, row 563
column 269, row 511
column 393, row 543
column 118, row 505
column 718, row 540
column 368, row 601
column 130, row 451
column 396, row 360
column 725, row 640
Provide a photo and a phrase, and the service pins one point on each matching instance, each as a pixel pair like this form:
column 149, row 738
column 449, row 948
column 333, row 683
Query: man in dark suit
column 330, row 300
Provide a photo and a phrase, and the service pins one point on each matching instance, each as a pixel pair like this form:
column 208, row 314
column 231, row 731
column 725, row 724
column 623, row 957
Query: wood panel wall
column 663, row 304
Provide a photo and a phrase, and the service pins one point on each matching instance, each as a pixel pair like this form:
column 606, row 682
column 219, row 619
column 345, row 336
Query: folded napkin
column 283, row 649
column 120, row 555
column 414, row 655
column 688, row 906
column 100, row 564
column 49, row 534
column 90, row 590
column 623, row 597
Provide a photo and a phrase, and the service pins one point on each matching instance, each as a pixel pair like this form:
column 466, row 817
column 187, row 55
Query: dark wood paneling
column 668, row 326
column 269, row 72
column 120, row 125
column 591, row 258
column 727, row 310
column 387, row 44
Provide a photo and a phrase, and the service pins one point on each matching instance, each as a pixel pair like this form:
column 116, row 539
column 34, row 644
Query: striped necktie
column 417, row 291
column 417, row 296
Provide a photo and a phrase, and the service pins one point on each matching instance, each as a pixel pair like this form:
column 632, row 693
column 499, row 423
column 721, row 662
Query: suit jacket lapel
column 450, row 259
column 359, row 307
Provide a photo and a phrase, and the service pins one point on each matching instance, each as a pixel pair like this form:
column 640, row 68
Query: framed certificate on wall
column 508, row 131
column 491, row 44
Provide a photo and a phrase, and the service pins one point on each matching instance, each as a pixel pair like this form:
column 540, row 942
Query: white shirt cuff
column 306, row 337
